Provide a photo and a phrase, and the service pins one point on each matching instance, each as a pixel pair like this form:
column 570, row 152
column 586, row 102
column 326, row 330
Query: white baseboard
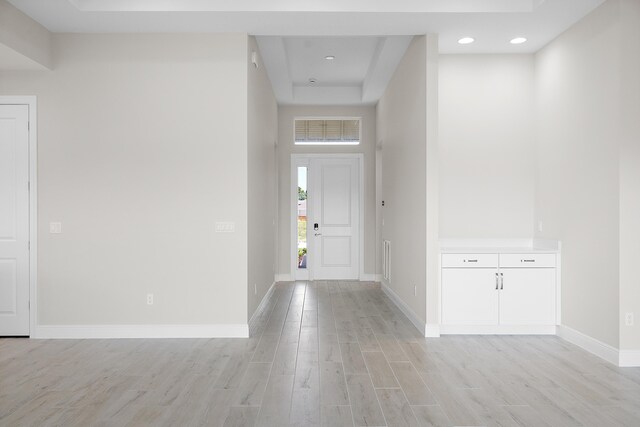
column 592, row 345
column 265, row 299
column 140, row 331
column 432, row 330
column 283, row 278
column 497, row 329
column 629, row 359
column 419, row 324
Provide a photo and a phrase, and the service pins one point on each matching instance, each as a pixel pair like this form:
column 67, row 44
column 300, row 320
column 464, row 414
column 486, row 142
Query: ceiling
column 368, row 37
column 358, row 75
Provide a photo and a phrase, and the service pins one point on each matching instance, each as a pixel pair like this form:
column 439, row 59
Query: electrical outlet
column 255, row 289
column 55, row 227
column 415, row 291
column 540, row 226
column 149, row 299
column 225, row 227
column 628, row 319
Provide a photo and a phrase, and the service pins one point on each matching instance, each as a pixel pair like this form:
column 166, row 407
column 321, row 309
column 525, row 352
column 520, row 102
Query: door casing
column 303, row 160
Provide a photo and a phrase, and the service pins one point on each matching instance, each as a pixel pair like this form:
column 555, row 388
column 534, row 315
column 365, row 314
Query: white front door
column 333, row 227
column 14, row 220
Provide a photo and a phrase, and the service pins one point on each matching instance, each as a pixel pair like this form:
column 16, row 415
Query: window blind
column 332, row 131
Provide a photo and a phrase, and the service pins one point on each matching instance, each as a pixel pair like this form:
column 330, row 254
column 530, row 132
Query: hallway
column 326, row 353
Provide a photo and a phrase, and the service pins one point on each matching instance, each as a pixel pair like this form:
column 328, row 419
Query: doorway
column 17, row 214
column 327, row 216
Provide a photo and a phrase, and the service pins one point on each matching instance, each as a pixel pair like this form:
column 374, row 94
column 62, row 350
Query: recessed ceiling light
column 518, row 40
column 330, row 57
column 312, row 80
column 466, row 40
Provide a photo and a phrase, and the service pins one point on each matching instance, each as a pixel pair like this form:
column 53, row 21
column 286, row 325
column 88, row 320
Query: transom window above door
column 327, row 131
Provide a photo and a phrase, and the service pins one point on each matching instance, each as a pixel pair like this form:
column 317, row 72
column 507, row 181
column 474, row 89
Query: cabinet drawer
column 527, row 260
column 469, row 260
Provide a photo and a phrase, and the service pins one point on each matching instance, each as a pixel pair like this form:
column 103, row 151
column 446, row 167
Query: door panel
column 14, row 220
column 469, row 296
column 334, row 197
column 336, row 251
column 528, row 296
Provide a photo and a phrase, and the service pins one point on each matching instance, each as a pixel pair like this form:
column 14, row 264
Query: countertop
column 496, row 250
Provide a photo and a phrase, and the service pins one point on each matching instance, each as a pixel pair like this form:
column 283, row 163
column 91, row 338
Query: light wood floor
column 326, row 353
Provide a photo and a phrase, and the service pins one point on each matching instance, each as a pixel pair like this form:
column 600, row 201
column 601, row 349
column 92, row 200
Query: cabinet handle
column 501, row 281
column 470, row 260
column 528, row 260
column 497, row 281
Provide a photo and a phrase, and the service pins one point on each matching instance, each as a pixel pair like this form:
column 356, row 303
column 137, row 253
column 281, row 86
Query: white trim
column 360, row 157
column 497, row 329
column 629, row 359
column 432, row 330
column 406, row 310
column 258, row 312
column 140, row 331
column 592, row 345
column 283, row 278
column 368, row 277
column 32, row 103
column 559, row 285
column 295, row 162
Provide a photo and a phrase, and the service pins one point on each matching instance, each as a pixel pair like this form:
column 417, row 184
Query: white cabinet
column 498, row 293
column 470, row 296
column 527, row 296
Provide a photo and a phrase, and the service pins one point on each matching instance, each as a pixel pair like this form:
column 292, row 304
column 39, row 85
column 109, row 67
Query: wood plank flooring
column 324, row 354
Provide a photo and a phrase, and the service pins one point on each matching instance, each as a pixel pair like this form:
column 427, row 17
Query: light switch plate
column 225, row 227
column 55, row 227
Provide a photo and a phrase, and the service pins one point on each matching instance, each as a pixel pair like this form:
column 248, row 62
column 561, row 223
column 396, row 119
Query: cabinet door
column 528, row 296
column 469, row 296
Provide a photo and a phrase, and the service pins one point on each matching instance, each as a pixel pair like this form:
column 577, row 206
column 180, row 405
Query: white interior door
column 14, row 220
column 334, row 189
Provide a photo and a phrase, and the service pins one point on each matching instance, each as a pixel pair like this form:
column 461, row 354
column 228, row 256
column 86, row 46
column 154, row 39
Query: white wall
column 577, row 188
column 28, row 42
column 142, row 147
column 409, row 174
column 286, row 147
column 630, row 173
column 262, row 180
column 487, row 162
